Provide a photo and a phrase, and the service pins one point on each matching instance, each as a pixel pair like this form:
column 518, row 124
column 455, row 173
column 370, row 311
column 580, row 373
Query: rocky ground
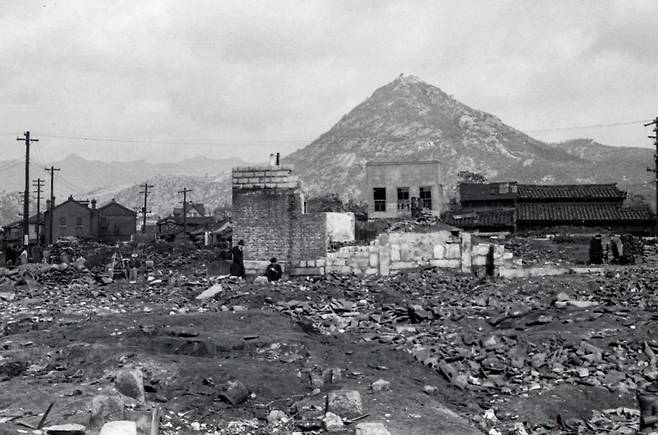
column 424, row 352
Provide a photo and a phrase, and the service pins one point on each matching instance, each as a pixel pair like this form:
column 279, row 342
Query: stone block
column 210, row 292
column 61, row 429
column 122, row 427
column 373, row 260
column 320, row 262
column 399, row 265
column 341, row 270
column 439, row 251
column 105, row 408
column 371, row 271
column 406, row 253
column 453, row 251
column 380, row 385
column 345, row 403
column 307, row 271
column 332, row 422
column 371, row 428
column 130, row 383
column 448, row 264
column 395, row 252
column 479, row 260
column 481, row 249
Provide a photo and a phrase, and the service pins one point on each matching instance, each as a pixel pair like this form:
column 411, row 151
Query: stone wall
column 395, row 252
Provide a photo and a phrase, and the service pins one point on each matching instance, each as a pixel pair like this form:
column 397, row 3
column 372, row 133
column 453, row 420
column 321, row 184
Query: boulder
column 345, row 403
column 106, row 408
column 130, row 383
column 380, row 385
column 332, row 422
column 371, row 428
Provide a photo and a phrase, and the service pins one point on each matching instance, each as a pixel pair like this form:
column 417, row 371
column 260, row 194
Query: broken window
column 426, row 197
column 503, row 188
column 379, row 195
column 62, row 221
column 403, row 198
column 78, row 222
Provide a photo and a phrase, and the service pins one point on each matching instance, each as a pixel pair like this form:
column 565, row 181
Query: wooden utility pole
column 655, row 160
column 52, row 170
column 26, row 192
column 38, row 183
column 185, row 191
column 146, row 194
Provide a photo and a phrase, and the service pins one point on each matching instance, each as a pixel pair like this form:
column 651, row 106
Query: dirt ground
column 543, row 355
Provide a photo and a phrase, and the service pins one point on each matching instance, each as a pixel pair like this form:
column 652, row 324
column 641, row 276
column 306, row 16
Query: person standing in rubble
column 134, row 265
column 596, row 250
column 237, row 267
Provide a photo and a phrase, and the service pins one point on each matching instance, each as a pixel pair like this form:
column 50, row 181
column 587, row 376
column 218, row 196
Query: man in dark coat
column 596, row 250
column 237, row 268
column 273, row 271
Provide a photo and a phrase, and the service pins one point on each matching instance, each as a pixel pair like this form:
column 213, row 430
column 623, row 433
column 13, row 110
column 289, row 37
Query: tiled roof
column 569, row 192
column 500, row 218
column 580, row 212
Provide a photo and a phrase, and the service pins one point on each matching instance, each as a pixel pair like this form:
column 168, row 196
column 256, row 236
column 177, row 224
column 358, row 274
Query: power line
column 613, row 124
column 170, row 142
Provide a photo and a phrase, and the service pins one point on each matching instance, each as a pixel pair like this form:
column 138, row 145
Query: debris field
column 181, row 351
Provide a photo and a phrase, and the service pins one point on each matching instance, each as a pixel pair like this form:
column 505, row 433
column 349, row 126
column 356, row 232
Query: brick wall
column 267, row 215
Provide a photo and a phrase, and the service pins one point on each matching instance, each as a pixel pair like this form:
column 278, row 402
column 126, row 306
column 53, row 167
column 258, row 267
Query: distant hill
column 163, row 197
column 208, row 178
column 79, row 175
column 409, row 119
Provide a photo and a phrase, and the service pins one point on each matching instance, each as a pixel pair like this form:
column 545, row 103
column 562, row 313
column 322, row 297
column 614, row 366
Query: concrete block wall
column 256, row 177
column 392, row 253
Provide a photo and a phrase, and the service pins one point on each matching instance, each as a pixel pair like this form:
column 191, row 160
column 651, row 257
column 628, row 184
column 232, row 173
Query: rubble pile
column 561, row 354
column 504, row 341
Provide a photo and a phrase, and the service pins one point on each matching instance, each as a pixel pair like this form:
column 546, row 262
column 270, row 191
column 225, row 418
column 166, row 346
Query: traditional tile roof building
column 497, row 206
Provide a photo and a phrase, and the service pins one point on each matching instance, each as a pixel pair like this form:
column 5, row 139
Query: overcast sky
column 246, row 78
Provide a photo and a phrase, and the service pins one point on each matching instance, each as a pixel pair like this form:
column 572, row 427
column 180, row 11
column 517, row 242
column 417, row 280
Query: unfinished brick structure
column 268, row 214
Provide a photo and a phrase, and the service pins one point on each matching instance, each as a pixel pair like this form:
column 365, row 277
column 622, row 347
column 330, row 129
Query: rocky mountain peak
column 409, row 119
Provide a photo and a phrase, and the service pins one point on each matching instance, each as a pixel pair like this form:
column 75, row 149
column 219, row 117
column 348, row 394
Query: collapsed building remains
column 268, row 214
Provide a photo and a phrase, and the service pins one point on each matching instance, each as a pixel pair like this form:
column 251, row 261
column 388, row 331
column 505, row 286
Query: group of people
column 601, row 249
column 16, row 254
column 273, row 270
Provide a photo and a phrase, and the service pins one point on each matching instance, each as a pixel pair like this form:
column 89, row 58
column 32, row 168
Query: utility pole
column 146, row 194
column 655, row 159
column 185, row 191
column 39, row 184
column 26, row 192
column 52, row 170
